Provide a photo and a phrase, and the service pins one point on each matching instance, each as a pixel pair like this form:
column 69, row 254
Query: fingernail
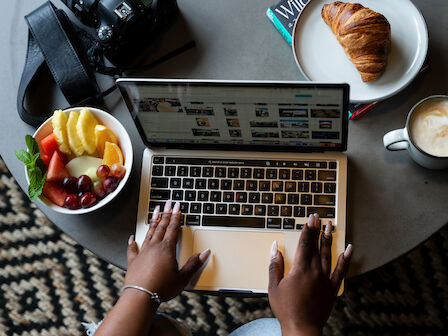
column 176, row 208
column 328, row 229
column 316, row 215
column 204, row 255
column 156, row 212
column 274, row 249
column 310, row 221
column 348, row 251
column 168, row 206
column 131, row 239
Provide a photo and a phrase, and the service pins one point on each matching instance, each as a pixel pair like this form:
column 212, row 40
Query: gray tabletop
column 393, row 204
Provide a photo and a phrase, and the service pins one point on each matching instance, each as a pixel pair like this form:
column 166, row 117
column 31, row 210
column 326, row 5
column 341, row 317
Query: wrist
column 300, row 329
column 140, row 298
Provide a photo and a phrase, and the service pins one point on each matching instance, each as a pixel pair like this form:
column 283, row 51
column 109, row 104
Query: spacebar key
column 229, row 221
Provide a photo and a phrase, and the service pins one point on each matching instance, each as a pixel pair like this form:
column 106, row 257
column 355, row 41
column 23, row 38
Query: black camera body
column 124, row 28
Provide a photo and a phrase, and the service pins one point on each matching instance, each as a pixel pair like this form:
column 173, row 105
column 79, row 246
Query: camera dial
column 105, row 33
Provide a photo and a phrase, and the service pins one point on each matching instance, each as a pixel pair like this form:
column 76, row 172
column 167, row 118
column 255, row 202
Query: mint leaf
column 23, row 156
column 34, row 159
column 32, row 145
column 36, row 190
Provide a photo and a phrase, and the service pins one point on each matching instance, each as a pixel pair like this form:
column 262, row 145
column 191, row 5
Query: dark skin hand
column 302, row 300
column 154, row 268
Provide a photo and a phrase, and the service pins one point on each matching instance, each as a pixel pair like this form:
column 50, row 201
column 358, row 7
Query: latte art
column 429, row 127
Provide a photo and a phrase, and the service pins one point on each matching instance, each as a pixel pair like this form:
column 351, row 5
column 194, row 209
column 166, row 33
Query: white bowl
column 123, row 140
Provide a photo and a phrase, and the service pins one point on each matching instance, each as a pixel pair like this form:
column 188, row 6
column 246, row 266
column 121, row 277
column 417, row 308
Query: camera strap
column 54, row 44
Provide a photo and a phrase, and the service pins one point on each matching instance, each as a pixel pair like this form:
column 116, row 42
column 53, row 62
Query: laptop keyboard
column 259, row 194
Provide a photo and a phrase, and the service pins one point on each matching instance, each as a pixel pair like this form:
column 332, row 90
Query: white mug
column 401, row 139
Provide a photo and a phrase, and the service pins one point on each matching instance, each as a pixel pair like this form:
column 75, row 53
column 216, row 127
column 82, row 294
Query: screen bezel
column 122, row 83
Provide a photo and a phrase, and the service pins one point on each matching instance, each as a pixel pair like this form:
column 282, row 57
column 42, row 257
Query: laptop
column 249, row 161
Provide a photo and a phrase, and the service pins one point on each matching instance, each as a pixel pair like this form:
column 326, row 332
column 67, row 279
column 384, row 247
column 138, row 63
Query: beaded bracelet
column 153, row 295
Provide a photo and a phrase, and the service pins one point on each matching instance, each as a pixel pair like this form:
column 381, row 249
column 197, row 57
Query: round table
column 393, row 204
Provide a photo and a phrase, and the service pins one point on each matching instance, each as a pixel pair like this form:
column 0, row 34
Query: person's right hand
column 302, row 300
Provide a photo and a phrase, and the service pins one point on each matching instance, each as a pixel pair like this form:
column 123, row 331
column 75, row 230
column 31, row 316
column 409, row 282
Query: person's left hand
column 155, row 267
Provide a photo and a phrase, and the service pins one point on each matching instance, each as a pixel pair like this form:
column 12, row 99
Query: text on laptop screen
column 238, row 115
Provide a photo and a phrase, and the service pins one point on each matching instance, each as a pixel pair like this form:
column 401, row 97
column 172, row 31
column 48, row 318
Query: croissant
column 364, row 35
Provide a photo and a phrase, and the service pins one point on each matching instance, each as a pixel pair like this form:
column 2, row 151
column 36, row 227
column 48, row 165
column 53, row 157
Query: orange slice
column 103, row 135
column 112, row 154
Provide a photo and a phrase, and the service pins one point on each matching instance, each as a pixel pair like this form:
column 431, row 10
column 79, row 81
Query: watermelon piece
column 56, row 169
column 55, row 193
column 48, row 146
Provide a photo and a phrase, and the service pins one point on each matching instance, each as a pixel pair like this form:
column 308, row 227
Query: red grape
column 84, row 184
column 87, row 200
column 117, row 170
column 70, row 184
column 110, row 184
column 98, row 190
column 103, row 171
column 72, row 202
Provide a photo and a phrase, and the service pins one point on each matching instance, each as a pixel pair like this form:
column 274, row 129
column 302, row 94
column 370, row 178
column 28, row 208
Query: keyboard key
column 329, row 188
column 228, row 221
column 316, row 187
column 310, row 175
column 332, row 165
column 178, row 195
column 207, row 172
column 260, row 210
column 208, row 208
column 251, row 185
column 157, row 194
column 182, row 171
column 153, row 204
column 323, row 212
column 280, row 198
column 241, row 197
column 201, row 184
column 264, row 186
column 320, row 165
column 299, row 211
column 288, row 223
column 187, row 183
column 203, row 196
column 273, row 210
column 246, row 172
column 324, row 200
column 195, row 171
column 195, row 207
column 158, row 159
column 215, row 196
column 254, row 198
column 290, row 186
column 234, row 172
column 297, row 174
column 306, row 199
column 267, row 198
column 258, row 173
column 184, row 207
column 271, row 174
column 277, row 186
column 221, row 209
column 326, row 175
column 170, row 170
column 157, row 170
column 274, row 223
column 229, row 197
column 175, row 182
column 284, row 174
column 234, row 209
column 226, row 184
column 213, row 184
column 303, row 186
column 286, row 211
column 221, row 172
column 193, row 220
column 238, row 185
column 247, row 210
column 293, row 198
column 190, row 195
column 159, row 182
column 299, row 227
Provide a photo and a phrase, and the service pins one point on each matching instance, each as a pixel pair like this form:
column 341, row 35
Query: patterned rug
column 49, row 285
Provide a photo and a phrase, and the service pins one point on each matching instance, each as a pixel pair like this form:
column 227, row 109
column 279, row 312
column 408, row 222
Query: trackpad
column 239, row 260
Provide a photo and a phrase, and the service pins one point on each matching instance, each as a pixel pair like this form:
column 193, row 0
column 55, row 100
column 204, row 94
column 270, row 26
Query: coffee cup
column 426, row 133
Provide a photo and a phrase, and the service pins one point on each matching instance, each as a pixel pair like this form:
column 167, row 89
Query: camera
column 124, row 28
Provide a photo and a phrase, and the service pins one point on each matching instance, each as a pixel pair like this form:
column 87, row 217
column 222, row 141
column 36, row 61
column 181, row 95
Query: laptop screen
column 289, row 115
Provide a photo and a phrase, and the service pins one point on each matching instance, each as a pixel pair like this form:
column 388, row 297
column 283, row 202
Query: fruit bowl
column 124, row 143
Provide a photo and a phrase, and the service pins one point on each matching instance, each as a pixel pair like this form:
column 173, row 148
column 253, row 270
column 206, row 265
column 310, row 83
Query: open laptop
column 249, row 161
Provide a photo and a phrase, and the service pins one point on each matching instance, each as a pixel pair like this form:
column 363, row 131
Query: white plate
column 321, row 58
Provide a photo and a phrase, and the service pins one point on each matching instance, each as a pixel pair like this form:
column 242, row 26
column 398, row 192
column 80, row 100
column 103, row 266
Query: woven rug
column 49, row 285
